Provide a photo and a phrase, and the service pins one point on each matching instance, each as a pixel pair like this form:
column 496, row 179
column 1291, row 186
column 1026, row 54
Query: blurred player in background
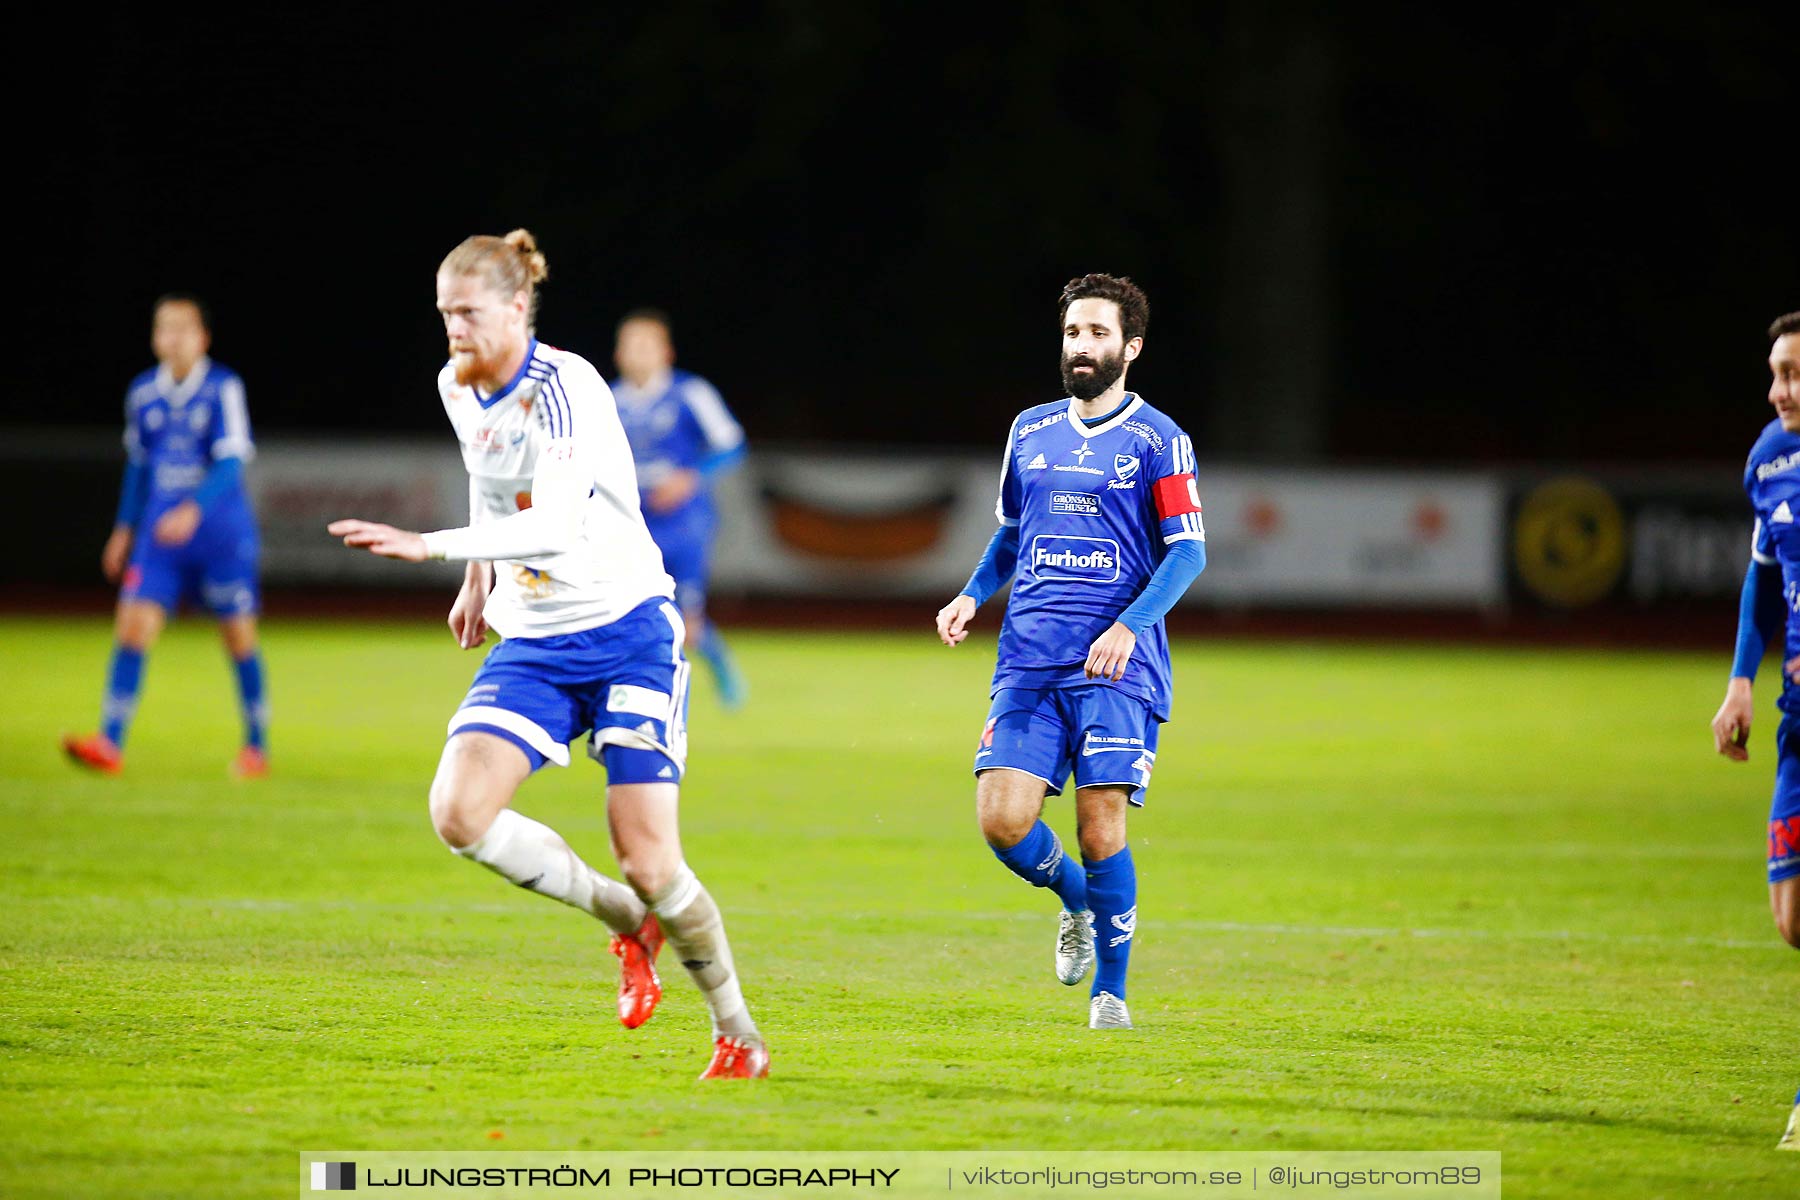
column 1770, row 610
column 1099, row 535
column 683, row 437
column 560, row 564
column 184, row 528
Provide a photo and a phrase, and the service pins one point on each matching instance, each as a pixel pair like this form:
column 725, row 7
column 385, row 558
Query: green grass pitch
column 1398, row 898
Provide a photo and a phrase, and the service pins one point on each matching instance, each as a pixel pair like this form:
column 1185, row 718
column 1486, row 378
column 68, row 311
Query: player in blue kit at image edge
column 682, row 439
column 184, row 530
column 1769, row 613
column 1100, row 534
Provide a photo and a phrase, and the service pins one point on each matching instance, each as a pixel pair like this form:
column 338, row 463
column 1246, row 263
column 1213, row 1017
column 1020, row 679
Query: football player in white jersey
column 560, row 564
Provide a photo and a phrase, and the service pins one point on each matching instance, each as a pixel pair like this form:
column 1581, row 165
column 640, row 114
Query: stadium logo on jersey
column 1076, row 559
column 1126, row 924
column 1036, row 464
column 1783, row 515
column 1075, row 504
column 1045, row 423
column 1126, row 465
column 1778, row 466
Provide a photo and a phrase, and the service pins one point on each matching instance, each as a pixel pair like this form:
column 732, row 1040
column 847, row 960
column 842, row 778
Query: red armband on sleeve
column 1176, row 496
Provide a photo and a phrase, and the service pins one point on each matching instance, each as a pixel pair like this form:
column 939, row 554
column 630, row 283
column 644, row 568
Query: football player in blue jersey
column 1100, row 534
column 184, row 530
column 1770, row 610
column 682, row 439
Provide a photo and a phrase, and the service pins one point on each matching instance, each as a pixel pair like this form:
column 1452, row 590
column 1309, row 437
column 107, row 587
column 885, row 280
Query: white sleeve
column 561, row 481
column 234, row 433
column 715, row 420
column 559, row 485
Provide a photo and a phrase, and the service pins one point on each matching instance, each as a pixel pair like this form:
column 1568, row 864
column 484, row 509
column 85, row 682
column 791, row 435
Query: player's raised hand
column 1731, row 724
column 176, row 527
column 380, row 539
column 1110, row 652
column 116, row 554
column 953, row 620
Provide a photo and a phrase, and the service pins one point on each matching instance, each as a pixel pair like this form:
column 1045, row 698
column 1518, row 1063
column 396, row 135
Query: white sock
column 535, row 856
column 692, row 924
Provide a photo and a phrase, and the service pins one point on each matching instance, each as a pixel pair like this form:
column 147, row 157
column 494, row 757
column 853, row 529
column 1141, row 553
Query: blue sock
column 250, row 698
column 732, row 688
column 1112, row 893
column 1039, row 861
column 124, row 676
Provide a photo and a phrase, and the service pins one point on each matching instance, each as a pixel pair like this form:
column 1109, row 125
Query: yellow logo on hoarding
column 1569, row 542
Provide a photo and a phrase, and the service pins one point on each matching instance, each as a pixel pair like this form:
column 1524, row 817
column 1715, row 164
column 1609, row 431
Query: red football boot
column 639, row 987
column 95, row 752
column 737, row 1058
column 250, row 763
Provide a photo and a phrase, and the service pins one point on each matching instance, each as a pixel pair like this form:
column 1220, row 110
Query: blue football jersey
column 1097, row 506
column 675, row 424
column 176, row 431
column 1772, row 481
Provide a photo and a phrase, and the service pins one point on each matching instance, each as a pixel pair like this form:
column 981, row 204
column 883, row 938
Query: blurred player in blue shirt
column 1099, row 536
column 1769, row 613
column 184, row 529
column 682, row 438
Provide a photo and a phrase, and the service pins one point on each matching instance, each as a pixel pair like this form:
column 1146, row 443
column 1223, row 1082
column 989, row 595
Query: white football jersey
column 554, row 428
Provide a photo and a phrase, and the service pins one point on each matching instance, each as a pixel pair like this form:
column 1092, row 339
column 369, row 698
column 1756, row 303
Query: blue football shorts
column 1784, row 811
column 685, row 539
column 624, row 684
column 215, row 570
column 1104, row 736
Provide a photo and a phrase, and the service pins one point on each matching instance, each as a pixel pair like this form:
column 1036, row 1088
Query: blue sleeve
column 719, row 461
column 134, row 493
column 1178, row 569
column 1761, row 613
column 225, row 474
column 996, row 566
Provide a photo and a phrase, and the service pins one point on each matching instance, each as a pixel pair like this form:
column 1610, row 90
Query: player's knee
column 648, row 872
column 456, row 816
column 1102, row 840
column 1004, row 828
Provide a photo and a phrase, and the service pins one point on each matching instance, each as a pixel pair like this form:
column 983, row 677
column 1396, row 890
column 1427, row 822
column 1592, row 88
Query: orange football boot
column 639, row 987
column 737, row 1058
column 250, row 763
column 94, row 751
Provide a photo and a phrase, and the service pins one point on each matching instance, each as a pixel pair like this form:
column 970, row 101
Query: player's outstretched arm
column 380, row 539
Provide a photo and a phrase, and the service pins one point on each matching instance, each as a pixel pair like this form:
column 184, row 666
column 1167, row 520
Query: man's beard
column 1085, row 387
column 470, row 366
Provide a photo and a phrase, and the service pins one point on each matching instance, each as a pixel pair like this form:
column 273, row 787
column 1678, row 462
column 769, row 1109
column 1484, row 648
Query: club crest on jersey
column 1075, row 559
column 1126, row 465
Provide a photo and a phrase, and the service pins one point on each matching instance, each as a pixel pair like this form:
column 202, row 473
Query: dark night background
column 1368, row 234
